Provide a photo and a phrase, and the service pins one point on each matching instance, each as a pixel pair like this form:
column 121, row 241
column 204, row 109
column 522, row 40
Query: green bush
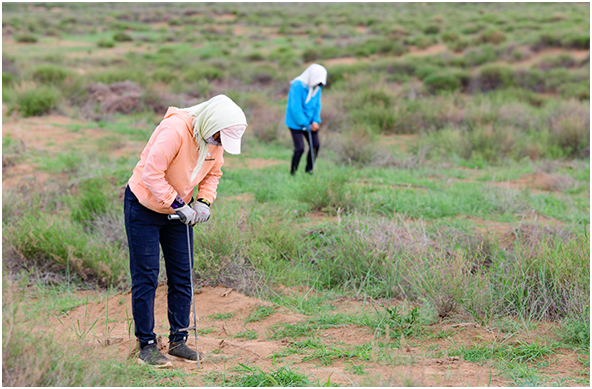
column 431, row 30
column 479, row 55
column 203, row 71
column 92, row 200
column 472, row 28
column 492, row 36
column 492, row 77
column 446, row 80
column 311, row 54
column 8, row 79
column 49, row 74
column 549, row 39
column 580, row 91
column 26, row 38
column 575, row 331
column 164, row 76
column 107, row 44
column 448, row 37
column 122, row 37
column 560, row 61
column 577, row 40
column 254, row 56
column 328, row 191
column 459, row 45
column 378, row 117
column 38, row 101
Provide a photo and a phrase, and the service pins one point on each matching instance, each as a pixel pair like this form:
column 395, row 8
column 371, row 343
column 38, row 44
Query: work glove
column 202, row 210
column 186, row 214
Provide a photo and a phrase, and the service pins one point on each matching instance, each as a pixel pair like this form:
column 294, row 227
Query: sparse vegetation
column 450, row 194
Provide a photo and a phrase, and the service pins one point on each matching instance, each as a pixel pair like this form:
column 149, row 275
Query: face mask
column 213, row 141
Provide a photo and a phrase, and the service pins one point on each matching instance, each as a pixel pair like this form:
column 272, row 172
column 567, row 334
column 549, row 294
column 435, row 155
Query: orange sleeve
column 209, row 184
column 163, row 151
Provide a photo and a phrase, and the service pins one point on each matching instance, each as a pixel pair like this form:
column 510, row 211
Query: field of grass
column 444, row 238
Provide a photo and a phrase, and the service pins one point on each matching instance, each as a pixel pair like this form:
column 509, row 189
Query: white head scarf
column 216, row 114
column 314, row 75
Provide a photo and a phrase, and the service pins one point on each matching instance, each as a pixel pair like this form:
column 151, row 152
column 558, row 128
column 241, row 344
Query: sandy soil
column 108, row 326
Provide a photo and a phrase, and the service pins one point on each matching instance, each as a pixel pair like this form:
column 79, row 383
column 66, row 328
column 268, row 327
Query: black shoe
column 181, row 350
column 150, row 355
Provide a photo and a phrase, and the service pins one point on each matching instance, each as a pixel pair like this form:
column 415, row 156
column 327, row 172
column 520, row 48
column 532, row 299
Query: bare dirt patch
column 106, row 325
column 341, row 61
column 225, row 17
column 435, row 49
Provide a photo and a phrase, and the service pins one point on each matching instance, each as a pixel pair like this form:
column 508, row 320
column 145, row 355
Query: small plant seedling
column 260, row 313
column 249, row 335
column 222, row 316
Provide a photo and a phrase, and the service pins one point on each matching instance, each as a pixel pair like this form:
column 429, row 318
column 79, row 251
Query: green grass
column 222, row 316
column 283, row 376
column 417, row 217
column 260, row 313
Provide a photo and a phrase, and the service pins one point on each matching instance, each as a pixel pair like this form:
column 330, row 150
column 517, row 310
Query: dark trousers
column 297, row 136
column 145, row 230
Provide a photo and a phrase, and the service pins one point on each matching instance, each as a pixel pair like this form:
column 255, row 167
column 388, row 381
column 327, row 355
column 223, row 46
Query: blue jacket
column 298, row 114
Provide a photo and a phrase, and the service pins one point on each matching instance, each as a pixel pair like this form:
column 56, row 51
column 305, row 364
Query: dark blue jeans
column 145, row 230
column 297, row 137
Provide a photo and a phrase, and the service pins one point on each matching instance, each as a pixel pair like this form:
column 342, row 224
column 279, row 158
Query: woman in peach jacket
column 184, row 151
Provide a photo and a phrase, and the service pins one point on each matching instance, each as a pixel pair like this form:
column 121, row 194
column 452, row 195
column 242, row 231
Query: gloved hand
column 186, row 214
column 202, row 210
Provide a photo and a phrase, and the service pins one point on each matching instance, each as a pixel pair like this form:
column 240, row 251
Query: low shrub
column 328, row 191
column 448, row 37
column 576, row 90
column 458, row 45
column 254, row 56
column 92, row 199
column 560, row 61
column 577, row 40
column 478, row 56
column 26, row 38
column 431, row 29
column 107, row 44
column 38, row 101
column 8, row 79
column 446, row 80
column 493, row 77
column 162, row 75
column 355, row 147
column 492, row 36
column 198, row 72
column 49, row 74
column 122, row 37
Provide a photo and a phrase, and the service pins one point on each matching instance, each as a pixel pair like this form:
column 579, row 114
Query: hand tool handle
column 174, row 217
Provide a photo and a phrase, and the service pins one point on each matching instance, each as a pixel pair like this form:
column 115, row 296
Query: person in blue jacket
column 303, row 113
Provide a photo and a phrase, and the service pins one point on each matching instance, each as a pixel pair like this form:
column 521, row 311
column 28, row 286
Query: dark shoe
column 181, row 350
column 150, row 355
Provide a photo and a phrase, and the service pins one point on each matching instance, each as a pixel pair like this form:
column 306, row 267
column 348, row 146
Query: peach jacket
column 165, row 166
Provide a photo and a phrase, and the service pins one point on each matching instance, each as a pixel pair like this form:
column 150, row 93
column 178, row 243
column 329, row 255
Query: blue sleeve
column 296, row 99
column 317, row 115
